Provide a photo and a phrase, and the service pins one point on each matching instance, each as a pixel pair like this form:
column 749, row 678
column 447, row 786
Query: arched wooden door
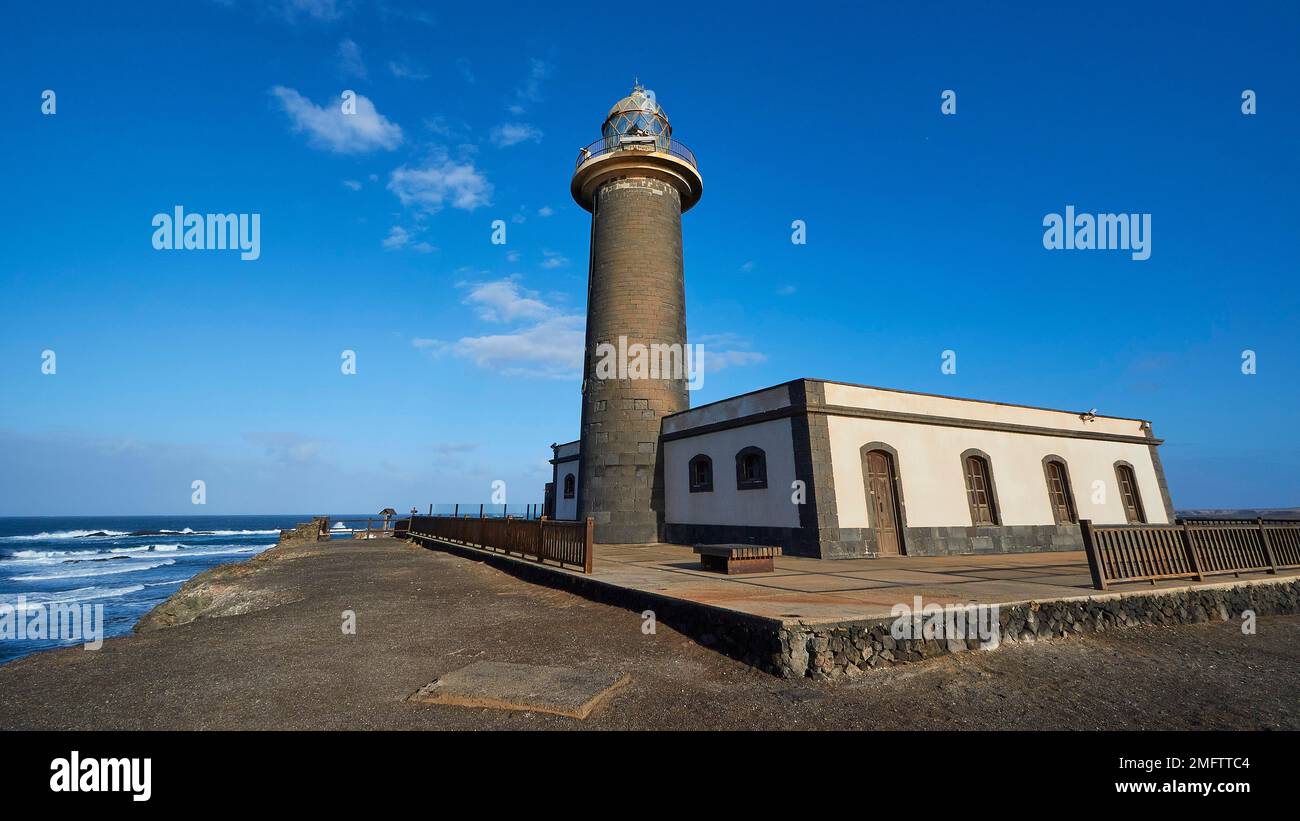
column 883, row 502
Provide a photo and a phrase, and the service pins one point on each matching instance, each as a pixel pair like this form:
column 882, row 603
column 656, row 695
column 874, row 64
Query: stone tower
column 636, row 181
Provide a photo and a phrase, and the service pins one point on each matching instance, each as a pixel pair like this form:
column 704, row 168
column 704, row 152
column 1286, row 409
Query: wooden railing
column 1188, row 549
column 567, row 543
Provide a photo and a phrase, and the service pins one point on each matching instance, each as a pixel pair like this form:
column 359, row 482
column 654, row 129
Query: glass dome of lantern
column 637, row 121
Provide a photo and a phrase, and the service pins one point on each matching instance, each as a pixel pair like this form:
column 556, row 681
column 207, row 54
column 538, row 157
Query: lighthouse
column 637, row 181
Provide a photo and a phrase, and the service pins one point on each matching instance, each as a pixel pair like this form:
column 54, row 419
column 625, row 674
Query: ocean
column 126, row 563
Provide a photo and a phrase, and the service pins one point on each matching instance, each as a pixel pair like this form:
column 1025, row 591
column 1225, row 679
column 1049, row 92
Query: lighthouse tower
column 636, row 181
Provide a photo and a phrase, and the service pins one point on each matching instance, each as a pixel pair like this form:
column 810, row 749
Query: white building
column 837, row 470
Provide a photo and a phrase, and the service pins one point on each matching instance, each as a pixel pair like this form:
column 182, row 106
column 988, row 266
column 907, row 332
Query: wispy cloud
column 508, row 134
column 441, row 181
column 530, row 91
column 727, row 350
column 553, row 259
column 287, row 447
column 294, row 10
column 404, row 69
column 548, row 344
column 350, row 62
column 398, row 237
column 503, row 300
column 329, row 129
column 545, row 211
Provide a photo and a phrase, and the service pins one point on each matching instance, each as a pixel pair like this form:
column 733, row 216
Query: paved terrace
column 820, row 591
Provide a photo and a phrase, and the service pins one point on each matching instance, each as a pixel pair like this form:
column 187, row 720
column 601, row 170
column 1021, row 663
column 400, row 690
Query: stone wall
column 834, row 652
column 315, row 530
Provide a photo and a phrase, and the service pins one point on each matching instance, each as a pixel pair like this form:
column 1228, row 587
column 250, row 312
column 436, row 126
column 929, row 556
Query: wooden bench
column 737, row 558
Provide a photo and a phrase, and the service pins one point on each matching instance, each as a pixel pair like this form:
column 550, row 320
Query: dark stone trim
column 810, row 437
column 794, row 541
column 575, row 457
column 758, row 482
column 965, row 541
column 995, row 504
column 901, row 503
column 1160, row 474
column 895, row 416
column 1069, row 490
column 857, row 543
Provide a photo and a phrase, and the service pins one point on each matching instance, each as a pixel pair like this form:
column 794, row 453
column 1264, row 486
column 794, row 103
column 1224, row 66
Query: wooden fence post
column 590, row 539
column 1268, row 547
column 1095, row 566
column 541, row 538
column 1192, row 557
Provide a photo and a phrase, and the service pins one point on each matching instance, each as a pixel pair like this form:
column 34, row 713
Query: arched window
column 751, row 469
column 1059, row 495
column 569, row 484
column 979, row 488
column 701, row 474
column 1128, row 494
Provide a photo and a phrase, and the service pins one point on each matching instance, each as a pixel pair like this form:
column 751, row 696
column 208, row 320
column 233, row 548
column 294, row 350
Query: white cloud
column 352, row 184
column 747, row 266
column 549, row 344
column 397, row 238
column 509, row 134
column 550, row 348
column 545, row 211
column 440, row 182
column 350, row 62
column 786, row 290
column 329, row 129
column 504, row 301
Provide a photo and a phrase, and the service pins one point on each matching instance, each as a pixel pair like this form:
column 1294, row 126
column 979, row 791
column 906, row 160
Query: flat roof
column 899, row 390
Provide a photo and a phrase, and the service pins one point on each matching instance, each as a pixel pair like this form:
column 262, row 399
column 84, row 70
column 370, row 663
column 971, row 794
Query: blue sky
column 924, row 232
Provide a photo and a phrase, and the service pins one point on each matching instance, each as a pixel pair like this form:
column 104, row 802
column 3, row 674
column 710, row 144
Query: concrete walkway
column 816, row 591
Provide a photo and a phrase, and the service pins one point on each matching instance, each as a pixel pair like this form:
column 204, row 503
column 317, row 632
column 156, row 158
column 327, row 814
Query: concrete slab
column 565, row 691
column 809, row 591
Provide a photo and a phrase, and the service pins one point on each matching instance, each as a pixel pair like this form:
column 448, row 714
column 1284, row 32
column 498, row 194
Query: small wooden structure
column 738, row 558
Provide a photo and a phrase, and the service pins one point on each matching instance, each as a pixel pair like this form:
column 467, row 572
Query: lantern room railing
column 648, row 144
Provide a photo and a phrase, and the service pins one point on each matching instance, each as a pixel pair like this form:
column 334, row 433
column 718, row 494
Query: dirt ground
column 420, row 614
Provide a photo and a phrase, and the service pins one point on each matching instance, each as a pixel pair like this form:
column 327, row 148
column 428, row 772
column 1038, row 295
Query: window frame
column 697, row 486
column 1072, row 507
column 569, row 487
column 990, row 488
column 757, row 482
column 1140, row 509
